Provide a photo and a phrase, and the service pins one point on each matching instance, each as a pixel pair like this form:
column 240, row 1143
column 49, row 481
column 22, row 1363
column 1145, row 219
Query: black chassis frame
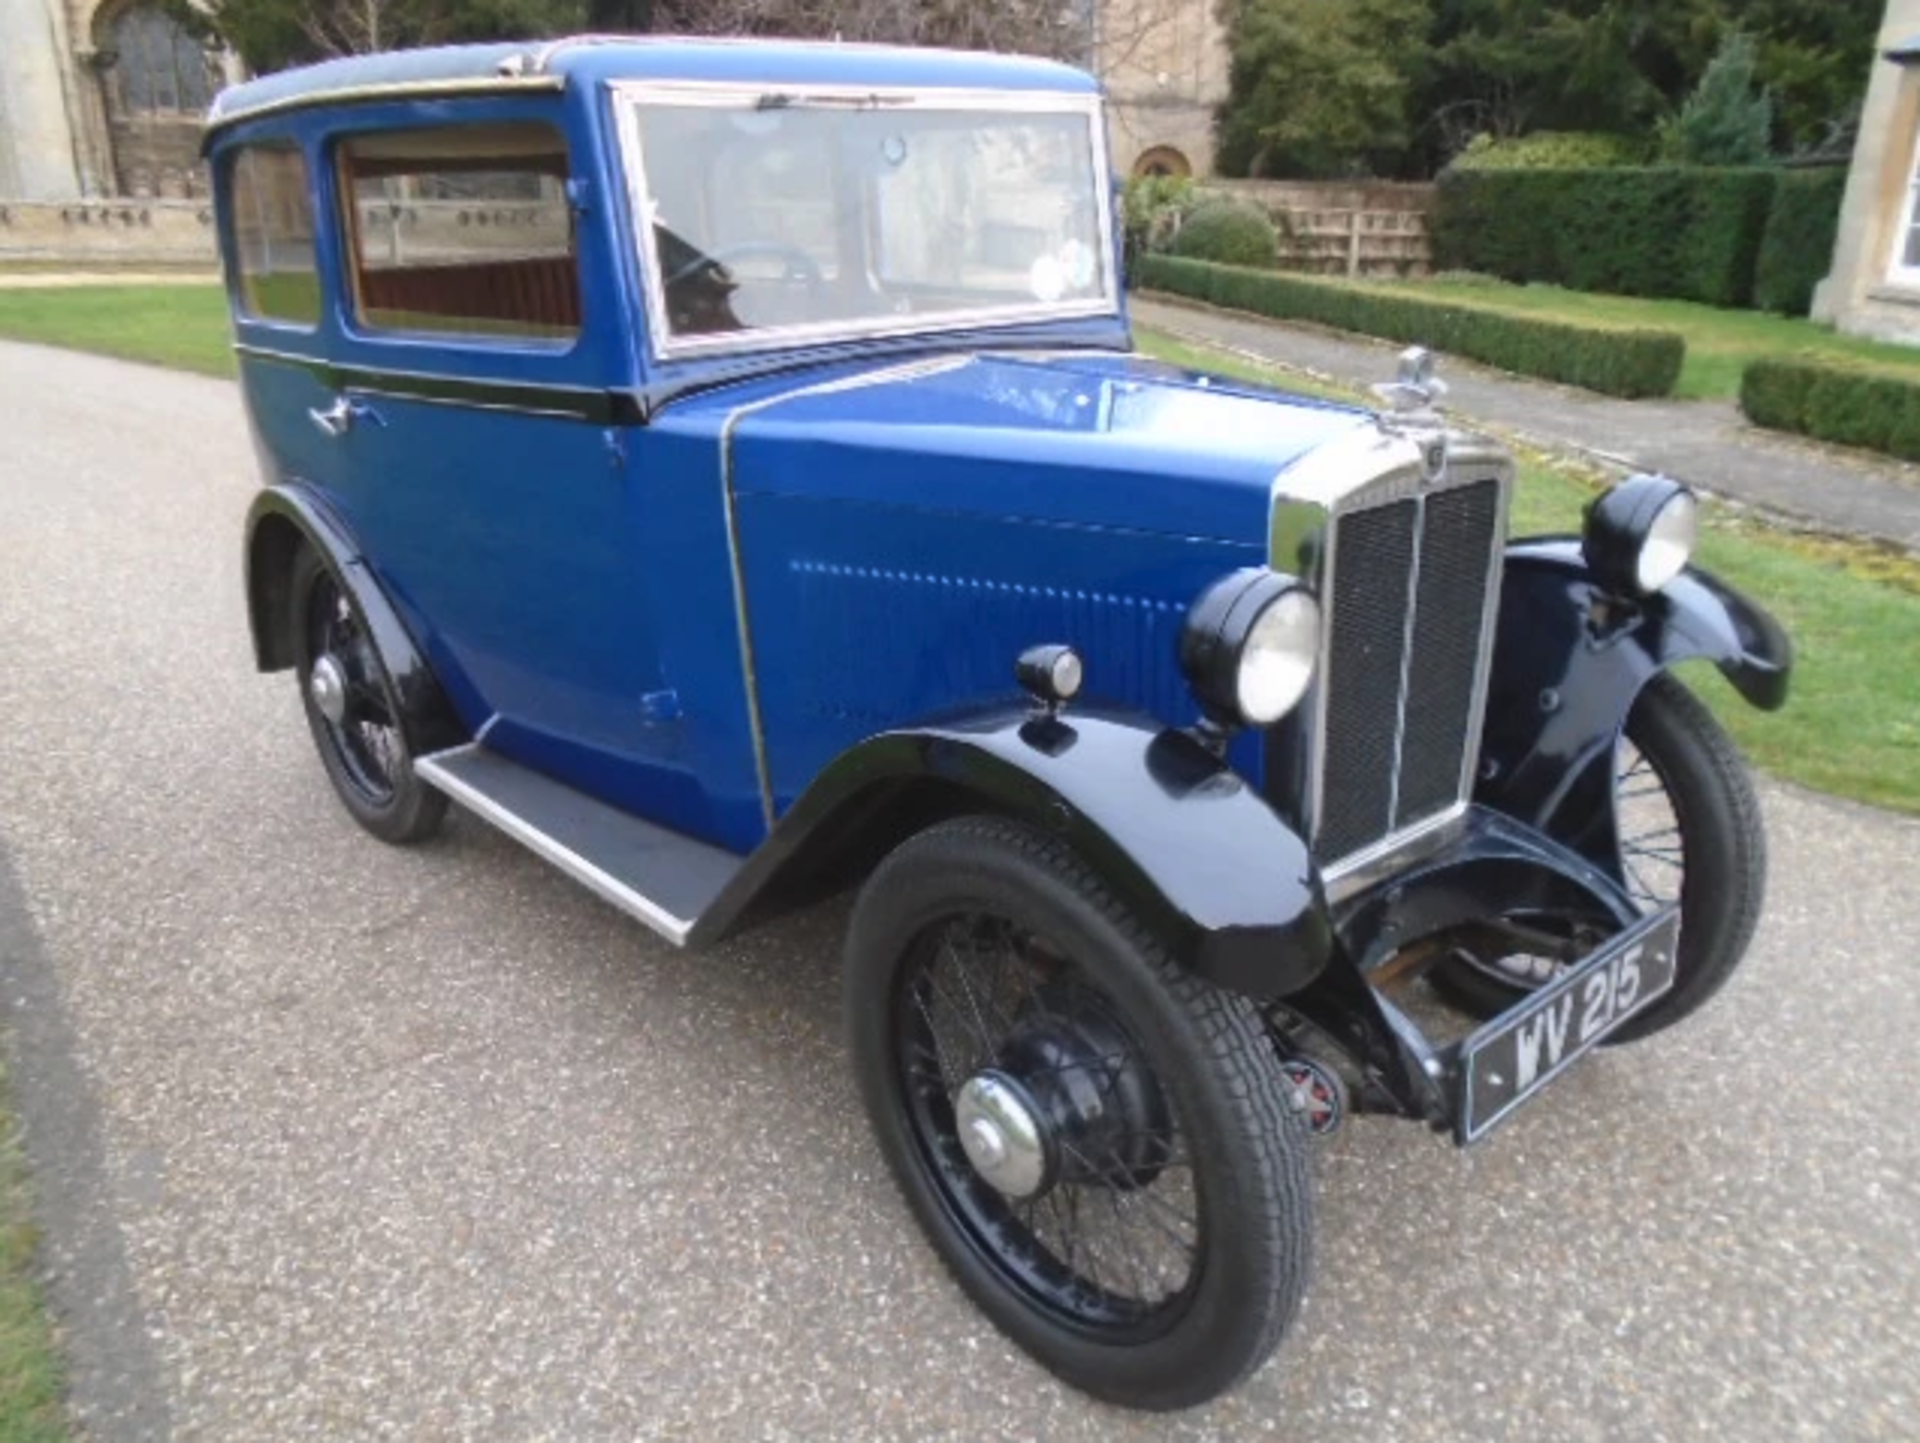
column 1227, row 887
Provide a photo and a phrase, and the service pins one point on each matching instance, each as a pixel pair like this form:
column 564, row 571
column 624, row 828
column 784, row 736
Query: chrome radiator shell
column 1379, row 491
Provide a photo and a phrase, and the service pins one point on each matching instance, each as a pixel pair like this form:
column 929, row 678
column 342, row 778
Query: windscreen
column 777, row 217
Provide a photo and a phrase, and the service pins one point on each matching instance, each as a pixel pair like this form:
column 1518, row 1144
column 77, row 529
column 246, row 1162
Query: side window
column 462, row 229
column 271, row 210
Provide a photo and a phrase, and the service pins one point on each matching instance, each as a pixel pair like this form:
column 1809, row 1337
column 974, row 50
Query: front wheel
column 1689, row 829
column 1097, row 1143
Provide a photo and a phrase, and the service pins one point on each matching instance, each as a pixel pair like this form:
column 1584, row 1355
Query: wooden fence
column 1350, row 228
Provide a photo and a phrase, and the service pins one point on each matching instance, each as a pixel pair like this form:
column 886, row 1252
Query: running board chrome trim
column 611, row 853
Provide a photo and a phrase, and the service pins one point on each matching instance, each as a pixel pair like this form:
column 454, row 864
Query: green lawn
column 1719, row 343
column 171, row 325
column 1852, row 727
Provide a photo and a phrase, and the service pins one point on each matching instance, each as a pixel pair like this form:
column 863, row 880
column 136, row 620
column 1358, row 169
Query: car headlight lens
column 1276, row 664
column 1250, row 646
column 1641, row 534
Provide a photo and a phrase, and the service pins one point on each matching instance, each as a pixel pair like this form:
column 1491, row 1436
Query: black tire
column 1182, row 1064
column 366, row 753
column 1677, row 756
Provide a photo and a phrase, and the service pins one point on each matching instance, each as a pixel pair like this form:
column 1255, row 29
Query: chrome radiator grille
column 1409, row 585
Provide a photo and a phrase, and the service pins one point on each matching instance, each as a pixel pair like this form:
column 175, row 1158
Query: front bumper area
column 1484, row 868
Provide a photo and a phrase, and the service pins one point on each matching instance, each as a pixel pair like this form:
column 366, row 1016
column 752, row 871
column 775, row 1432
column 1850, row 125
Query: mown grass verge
column 184, row 326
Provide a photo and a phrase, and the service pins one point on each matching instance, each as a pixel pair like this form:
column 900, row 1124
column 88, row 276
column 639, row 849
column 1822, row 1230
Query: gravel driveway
column 339, row 1141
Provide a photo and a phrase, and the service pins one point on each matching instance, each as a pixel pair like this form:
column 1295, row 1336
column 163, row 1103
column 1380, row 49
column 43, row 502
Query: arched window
column 1162, row 160
column 157, row 66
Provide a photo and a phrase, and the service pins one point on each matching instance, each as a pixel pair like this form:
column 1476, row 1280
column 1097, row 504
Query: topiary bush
column 1848, row 402
column 1797, row 250
column 1554, row 150
column 1229, row 232
column 1619, row 362
column 1687, row 233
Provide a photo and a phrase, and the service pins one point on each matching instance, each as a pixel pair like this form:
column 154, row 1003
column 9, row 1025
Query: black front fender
column 1571, row 657
column 1199, row 858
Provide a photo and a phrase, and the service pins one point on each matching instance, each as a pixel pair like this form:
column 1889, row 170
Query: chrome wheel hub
column 1001, row 1135
column 327, row 685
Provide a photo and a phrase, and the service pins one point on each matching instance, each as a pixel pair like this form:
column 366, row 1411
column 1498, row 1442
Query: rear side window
column 462, row 229
column 271, row 210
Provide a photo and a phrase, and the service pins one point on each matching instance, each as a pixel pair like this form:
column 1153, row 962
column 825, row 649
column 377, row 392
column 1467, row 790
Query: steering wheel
column 799, row 265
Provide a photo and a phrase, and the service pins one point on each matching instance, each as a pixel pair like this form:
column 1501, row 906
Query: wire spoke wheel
column 1099, row 1145
column 1653, row 855
column 1105, row 1228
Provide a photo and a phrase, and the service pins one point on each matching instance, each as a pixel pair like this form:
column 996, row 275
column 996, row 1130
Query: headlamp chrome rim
column 1251, row 646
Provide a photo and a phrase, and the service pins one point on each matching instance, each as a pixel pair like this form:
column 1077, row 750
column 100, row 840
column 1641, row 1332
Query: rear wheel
column 1098, row 1144
column 351, row 711
column 1689, row 830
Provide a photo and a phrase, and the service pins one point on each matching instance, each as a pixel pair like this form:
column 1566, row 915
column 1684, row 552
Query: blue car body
column 734, row 592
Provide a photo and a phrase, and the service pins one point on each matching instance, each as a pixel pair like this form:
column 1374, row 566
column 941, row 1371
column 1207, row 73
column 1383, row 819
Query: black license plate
column 1522, row 1050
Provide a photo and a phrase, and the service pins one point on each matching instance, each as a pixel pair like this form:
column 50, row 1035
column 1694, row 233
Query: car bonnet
column 1080, row 438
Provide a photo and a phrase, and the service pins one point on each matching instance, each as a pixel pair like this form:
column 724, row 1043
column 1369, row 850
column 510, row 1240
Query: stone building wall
column 109, row 232
column 81, row 117
column 1866, row 294
column 37, row 159
column 1164, row 64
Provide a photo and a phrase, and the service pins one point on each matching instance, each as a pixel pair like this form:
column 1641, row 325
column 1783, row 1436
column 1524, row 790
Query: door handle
column 338, row 418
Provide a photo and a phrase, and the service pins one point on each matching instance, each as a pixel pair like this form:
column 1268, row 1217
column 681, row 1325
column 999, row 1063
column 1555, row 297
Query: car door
column 482, row 456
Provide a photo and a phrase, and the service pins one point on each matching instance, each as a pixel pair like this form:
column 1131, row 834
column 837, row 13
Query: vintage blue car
column 724, row 467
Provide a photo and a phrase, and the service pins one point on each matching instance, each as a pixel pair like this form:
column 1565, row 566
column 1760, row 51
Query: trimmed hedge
column 1688, row 233
column 1797, row 252
column 1853, row 404
column 1618, row 362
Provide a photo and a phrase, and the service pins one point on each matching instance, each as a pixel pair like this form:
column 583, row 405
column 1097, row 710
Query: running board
column 661, row 877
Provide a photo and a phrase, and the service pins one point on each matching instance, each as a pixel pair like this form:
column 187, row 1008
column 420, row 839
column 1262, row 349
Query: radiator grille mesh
column 1406, row 615
column 1373, row 570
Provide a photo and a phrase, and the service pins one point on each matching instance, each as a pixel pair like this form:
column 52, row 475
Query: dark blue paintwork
column 571, row 583
column 909, row 536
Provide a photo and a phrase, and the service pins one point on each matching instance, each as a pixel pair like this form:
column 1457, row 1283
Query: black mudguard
column 1195, row 853
column 281, row 520
column 1571, row 658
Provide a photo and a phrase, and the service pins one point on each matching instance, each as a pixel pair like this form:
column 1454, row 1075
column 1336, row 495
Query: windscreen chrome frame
column 630, row 97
